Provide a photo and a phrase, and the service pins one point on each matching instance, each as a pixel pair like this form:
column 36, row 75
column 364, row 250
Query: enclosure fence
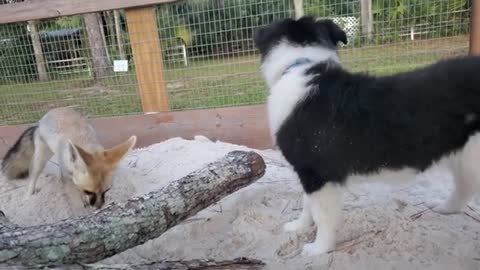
column 202, row 52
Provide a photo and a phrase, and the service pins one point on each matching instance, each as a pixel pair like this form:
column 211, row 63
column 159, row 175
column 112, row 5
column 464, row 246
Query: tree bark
column 119, row 227
column 366, row 19
column 37, row 49
column 299, row 11
column 100, row 61
column 110, row 23
column 236, row 264
column 101, row 26
column 5, row 224
column 118, row 34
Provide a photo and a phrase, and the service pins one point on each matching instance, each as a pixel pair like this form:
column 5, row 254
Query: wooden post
column 475, row 29
column 147, row 55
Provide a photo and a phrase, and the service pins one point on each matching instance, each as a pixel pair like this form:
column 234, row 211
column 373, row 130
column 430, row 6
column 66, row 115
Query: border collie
column 334, row 126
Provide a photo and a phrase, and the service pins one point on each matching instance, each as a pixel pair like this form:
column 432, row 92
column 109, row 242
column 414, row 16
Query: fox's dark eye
column 92, row 199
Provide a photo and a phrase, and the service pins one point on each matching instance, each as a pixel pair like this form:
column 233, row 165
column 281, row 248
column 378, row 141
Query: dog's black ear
column 259, row 36
column 336, row 33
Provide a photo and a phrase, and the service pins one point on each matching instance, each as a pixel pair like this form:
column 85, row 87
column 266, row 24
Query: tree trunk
column 236, row 264
column 103, row 35
column 37, row 49
column 100, row 61
column 118, row 34
column 298, row 5
column 119, row 227
column 366, row 19
column 110, row 23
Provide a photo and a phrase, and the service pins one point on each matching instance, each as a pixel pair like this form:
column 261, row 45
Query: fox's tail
column 16, row 163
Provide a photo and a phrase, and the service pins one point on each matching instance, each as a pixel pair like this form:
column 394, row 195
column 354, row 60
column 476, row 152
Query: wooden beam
column 475, row 29
column 147, row 55
column 47, row 9
column 246, row 125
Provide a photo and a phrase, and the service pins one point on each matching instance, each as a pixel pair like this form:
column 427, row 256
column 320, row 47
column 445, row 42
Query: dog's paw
column 295, row 225
column 442, row 208
column 315, row 248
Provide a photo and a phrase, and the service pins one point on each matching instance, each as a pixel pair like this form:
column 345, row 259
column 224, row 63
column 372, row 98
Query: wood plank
column 238, row 125
column 47, row 9
column 147, row 55
column 475, row 29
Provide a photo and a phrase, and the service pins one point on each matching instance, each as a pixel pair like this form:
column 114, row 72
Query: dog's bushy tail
column 16, row 163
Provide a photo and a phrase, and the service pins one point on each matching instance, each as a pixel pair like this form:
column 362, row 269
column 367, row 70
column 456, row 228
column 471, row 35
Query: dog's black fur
column 353, row 123
column 305, row 31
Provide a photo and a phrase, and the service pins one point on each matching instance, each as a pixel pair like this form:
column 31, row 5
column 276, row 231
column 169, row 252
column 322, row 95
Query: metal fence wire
column 207, row 52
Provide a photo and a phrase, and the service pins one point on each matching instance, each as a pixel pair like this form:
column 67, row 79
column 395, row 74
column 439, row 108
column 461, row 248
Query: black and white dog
column 334, row 126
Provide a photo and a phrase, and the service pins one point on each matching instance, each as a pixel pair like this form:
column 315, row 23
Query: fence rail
column 49, row 9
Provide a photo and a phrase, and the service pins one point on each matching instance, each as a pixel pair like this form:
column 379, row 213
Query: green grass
column 203, row 84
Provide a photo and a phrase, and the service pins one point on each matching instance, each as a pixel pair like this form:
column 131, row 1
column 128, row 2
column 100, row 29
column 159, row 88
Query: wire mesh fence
column 207, row 52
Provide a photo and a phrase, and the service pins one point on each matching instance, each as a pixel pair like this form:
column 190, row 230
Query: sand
column 383, row 227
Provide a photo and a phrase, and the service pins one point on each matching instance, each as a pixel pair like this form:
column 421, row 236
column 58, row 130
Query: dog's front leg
column 325, row 206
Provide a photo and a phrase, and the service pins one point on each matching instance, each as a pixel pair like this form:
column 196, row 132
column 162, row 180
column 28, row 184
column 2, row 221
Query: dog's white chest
column 284, row 96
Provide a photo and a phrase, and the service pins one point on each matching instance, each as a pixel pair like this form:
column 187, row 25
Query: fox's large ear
column 78, row 156
column 115, row 154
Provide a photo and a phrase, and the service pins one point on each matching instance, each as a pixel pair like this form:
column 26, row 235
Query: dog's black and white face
column 304, row 32
column 284, row 42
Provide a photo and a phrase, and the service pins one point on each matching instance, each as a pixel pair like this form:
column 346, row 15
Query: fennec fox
column 67, row 133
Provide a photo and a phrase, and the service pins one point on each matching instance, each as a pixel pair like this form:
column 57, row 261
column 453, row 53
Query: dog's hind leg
column 305, row 220
column 325, row 206
column 466, row 173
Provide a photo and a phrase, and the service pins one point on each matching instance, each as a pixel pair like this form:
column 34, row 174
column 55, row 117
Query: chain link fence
column 207, row 52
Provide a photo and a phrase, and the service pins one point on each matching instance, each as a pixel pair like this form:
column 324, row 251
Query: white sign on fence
column 120, row 65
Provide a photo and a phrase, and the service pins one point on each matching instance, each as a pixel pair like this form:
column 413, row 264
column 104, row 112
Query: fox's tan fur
column 67, row 133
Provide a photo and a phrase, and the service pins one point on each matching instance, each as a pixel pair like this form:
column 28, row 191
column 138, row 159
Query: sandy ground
column 383, row 228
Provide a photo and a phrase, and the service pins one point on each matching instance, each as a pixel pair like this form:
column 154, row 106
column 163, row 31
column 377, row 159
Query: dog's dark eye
column 89, row 193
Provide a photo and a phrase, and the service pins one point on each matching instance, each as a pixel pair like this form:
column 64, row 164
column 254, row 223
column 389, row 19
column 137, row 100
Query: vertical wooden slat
column 475, row 28
column 147, row 55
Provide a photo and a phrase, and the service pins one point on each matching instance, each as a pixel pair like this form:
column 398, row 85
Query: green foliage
column 62, row 23
column 220, row 27
column 440, row 17
column 226, row 26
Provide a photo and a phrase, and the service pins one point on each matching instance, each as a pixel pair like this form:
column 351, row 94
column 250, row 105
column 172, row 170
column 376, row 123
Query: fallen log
column 119, row 227
column 236, row 264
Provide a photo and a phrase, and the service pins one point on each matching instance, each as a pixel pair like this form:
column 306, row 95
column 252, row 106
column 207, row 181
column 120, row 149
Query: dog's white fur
column 323, row 207
column 288, row 89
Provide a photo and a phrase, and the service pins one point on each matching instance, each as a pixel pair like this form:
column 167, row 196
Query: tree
column 366, row 19
column 298, row 4
column 37, row 49
column 118, row 34
column 101, row 62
